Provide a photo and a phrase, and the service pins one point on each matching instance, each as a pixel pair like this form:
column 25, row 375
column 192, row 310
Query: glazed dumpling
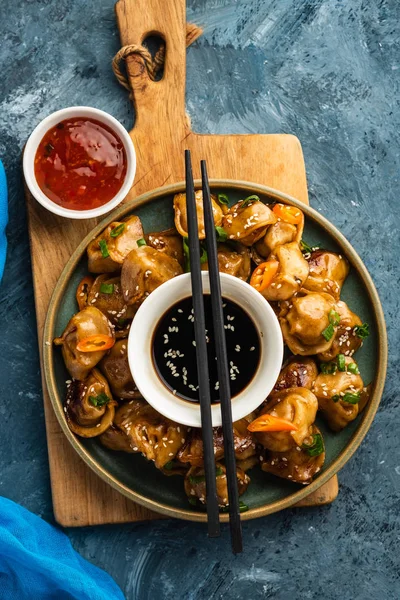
column 115, row 367
column 310, row 323
column 181, row 221
column 233, row 259
column 347, row 340
column 247, row 221
column 297, row 406
column 339, row 393
column 298, row 464
column 107, row 252
column 291, row 274
column 195, row 484
column 145, row 269
column 328, row 272
column 85, row 324
column 116, row 439
column 243, row 440
column 169, row 242
column 298, row 372
column 155, row 436
column 89, row 406
column 106, row 295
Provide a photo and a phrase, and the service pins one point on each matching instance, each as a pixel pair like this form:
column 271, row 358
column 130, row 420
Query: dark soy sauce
column 174, row 351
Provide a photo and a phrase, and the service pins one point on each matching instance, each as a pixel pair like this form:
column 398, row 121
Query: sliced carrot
column 94, row 343
column 270, row 423
column 263, row 275
column 289, row 214
column 83, row 290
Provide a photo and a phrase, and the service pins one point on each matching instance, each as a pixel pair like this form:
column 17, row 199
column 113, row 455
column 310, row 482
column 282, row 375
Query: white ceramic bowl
column 36, row 137
column 141, row 359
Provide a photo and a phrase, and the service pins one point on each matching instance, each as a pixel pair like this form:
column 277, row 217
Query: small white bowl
column 36, row 137
column 140, row 353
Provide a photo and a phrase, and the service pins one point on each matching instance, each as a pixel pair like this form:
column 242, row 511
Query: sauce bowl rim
column 140, row 351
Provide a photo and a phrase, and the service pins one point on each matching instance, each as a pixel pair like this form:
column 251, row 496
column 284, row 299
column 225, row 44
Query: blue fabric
column 3, row 218
column 37, row 562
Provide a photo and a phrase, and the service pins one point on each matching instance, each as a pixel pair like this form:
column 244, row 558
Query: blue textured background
column 325, row 70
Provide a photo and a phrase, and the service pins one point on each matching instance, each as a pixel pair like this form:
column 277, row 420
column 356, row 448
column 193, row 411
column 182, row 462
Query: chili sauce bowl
column 141, row 352
column 52, row 121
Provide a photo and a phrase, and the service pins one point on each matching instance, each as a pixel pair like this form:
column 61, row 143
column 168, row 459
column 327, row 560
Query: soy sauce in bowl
column 174, row 350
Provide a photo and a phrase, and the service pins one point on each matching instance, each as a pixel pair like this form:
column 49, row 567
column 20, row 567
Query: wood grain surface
column 160, row 135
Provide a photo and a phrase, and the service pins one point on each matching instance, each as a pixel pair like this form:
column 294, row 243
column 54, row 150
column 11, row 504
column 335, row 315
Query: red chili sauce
column 80, row 164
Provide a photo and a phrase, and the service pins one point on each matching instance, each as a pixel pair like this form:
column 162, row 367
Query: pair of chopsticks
column 202, row 360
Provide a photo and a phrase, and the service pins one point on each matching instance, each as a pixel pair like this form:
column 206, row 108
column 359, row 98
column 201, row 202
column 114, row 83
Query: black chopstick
column 201, row 354
column 222, row 365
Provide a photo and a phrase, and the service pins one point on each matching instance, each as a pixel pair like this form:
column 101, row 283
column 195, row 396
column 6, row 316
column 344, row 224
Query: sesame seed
column 252, row 348
column 171, row 454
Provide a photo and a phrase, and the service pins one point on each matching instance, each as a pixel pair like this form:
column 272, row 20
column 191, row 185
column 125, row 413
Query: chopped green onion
column 305, row 247
column 121, row 322
column 222, row 236
column 141, row 242
column 203, row 255
column 197, row 478
column 334, row 317
column 107, row 288
column 336, row 398
column 328, row 332
column 104, row 248
column 192, row 501
column 362, row 331
column 249, row 200
column 223, row 199
column 352, row 368
column 169, row 465
column 328, row 368
column 351, row 398
column 317, row 446
column 341, row 361
column 219, row 471
column 186, row 254
column 242, row 507
column 117, row 230
column 99, row 400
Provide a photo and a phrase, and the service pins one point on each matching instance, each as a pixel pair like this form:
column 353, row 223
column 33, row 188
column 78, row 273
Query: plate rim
column 367, row 416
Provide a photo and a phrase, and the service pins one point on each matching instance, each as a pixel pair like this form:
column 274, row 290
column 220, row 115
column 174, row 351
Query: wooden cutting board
column 160, row 135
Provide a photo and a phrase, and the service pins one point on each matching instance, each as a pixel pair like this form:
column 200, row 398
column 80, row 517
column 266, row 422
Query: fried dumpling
column 291, row 275
column 297, row 406
column 246, row 221
column 310, row 323
column 181, row 220
column 233, row 259
column 339, row 394
column 85, row 324
column 107, row 252
column 89, row 406
column 145, row 269
column 328, row 272
column 300, row 463
column 195, row 484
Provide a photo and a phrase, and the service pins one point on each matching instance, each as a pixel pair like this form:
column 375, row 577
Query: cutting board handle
column 155, row 101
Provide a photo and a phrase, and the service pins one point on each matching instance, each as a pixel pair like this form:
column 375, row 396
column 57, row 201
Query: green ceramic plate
column 137, row 478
